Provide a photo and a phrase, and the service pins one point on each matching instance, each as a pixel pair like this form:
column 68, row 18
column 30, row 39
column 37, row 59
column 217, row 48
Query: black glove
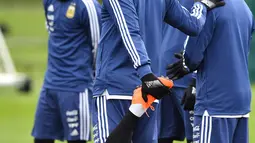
column 189, row 98
column 211, row 4
column 153, row 86
column 177, row 70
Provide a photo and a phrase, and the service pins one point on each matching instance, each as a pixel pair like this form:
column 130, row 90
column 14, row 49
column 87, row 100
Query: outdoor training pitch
column 28, row 46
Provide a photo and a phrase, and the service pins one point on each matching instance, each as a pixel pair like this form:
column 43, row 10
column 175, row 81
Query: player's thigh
column 241, row 134
column 107, row 114
column 146, row 129
column 209, row 129
column 75, row 114
column 47, row 124
column 171, row 121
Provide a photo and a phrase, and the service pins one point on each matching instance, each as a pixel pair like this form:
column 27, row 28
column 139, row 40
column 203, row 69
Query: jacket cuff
column 144, row 70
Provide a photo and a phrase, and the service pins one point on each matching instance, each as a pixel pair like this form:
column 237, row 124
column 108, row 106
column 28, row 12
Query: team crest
column 71, row 11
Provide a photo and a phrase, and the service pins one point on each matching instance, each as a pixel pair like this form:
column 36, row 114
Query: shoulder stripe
column 125, row 34
column 93, row 22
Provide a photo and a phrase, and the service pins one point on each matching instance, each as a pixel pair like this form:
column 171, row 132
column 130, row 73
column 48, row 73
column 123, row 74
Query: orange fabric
column 166, row 82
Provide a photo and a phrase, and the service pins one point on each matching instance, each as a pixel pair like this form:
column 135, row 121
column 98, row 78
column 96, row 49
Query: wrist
column 137, row 110
column 144, row 70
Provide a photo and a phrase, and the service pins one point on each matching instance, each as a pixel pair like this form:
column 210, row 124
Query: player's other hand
column 211, row 4
column 179, row 69
column 156, row 87
column 189, row 98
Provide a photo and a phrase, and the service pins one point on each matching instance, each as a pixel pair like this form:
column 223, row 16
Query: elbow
column 190, row 29
column 195, row 31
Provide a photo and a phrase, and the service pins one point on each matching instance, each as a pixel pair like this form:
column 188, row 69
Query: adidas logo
column 153, row 84
column 74, row 133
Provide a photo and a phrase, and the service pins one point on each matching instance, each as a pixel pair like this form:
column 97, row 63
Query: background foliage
column 27, row 42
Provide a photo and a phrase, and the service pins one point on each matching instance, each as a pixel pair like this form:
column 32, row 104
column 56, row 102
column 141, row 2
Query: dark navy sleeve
column 179, row 17
column 125, row 17
column 196, row 46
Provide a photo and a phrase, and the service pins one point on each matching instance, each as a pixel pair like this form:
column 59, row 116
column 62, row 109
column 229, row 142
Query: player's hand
column 179, row 69
column 189, row 98
column 211, row 4
column 151, row 85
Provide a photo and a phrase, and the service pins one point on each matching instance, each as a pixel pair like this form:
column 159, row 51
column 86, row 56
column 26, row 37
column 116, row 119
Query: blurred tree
column 251, row 4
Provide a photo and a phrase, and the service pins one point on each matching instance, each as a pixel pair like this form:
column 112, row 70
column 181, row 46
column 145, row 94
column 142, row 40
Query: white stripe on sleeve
column 184, row 50
column 125, row 34
column 93, row 22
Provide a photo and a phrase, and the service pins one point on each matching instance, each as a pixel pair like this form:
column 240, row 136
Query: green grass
column 28, row 46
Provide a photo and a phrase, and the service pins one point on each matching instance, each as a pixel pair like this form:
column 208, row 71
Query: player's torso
column 223, row 85
column 151, row 16
column 173, row 42
column 115, row 69
column 69, row 46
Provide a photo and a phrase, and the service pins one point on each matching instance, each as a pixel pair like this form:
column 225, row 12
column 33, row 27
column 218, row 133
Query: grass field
column 28, row 46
